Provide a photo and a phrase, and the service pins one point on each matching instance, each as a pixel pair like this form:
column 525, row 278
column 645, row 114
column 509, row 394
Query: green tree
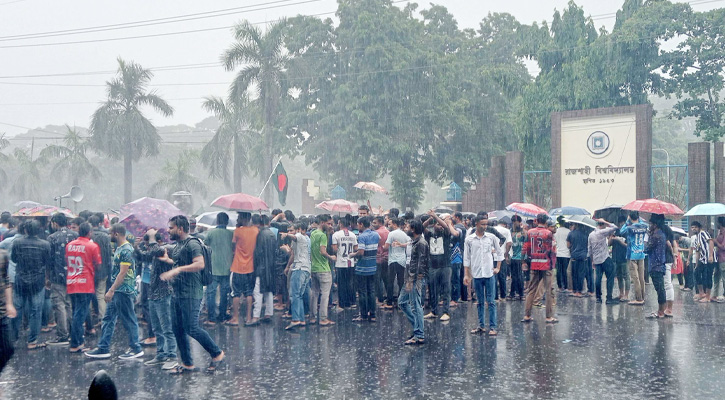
column 263, row 75
column 177, row 175
column 27, row 181
column 4, row 158
column 119, row 128
column 70, row 158
column 230, row 141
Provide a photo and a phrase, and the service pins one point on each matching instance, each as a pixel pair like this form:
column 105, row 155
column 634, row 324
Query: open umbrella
column 526, row 209
column 499, row 214
column 582, row 220
column 654, row 206
column 240, row 202
column 42, row 211
column 706, row 210
column 554, row 212
column 147, row 212
column 371, row 186
column 208, row 219
column 339, row 206
column 443, row 210
column 27, row 204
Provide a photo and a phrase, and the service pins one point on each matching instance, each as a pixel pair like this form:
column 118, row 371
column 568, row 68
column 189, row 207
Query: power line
column 149, row 22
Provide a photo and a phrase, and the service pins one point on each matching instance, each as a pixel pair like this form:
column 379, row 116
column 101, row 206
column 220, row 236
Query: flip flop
column 478, row 331
column 79, row 351
column 552, row 321
column 653, row 315
column 37, row 346
column 669, row 315
column 411, row 341
column 526, row 320
column 213, row 366
column 227, row 323
column 180, row 369
column 492, row 333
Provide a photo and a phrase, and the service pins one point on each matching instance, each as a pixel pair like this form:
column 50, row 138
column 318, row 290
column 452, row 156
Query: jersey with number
column 82, row 255
column 540, row 249
column 346, row 241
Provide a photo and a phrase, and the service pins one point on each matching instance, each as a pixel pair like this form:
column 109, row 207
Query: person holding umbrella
column 656, row 247
column 599, row 256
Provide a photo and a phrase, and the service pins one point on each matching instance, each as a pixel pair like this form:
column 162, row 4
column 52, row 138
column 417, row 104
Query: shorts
column 242, row 285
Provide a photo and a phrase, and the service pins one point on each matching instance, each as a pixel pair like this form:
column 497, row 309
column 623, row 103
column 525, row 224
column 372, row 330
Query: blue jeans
column 486, row 289
column 456, row 281
column 160, row 311
column 185, row 323
column 221, row 282
column 31, row 303
column 121, row 306
column 299, row 290
column 81, row 303
column 411, row 303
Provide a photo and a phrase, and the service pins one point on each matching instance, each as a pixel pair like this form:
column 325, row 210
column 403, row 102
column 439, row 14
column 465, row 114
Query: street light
column 667, row 160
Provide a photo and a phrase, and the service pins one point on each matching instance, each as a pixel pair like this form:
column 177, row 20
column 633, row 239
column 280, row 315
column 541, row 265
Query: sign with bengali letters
column 598, row 161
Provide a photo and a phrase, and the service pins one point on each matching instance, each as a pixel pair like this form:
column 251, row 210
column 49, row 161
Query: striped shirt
column 368, row 242
column 703, row 247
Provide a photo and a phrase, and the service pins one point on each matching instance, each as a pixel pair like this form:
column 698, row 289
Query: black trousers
column 345, row 287
column 658, row 280
column 6, row 342
column 517, row 279
column 366, row 295
column 391, row 272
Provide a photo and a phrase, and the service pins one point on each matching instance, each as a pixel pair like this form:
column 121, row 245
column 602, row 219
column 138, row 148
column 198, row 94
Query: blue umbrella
column 568, row 211
column 707, row 209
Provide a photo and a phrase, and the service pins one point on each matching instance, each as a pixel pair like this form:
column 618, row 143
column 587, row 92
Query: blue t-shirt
column 457, row 245
column 579, row 244
column 368, row 242
column 635, row 233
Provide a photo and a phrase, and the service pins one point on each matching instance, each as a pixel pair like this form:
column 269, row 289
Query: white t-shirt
column 346, row 243
column 302, row 253
column 505, row 232
column 397, row 254
column 560, row 241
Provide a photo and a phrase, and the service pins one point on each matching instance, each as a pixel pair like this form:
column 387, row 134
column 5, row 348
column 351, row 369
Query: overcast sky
column 39, row 101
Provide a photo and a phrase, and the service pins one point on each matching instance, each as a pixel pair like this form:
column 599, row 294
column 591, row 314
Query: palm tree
column 119, row 128
column 177, row 176
column 4, row 143
column 27, row 181
column 230, row 141
column 70, row 158
column 264, row 75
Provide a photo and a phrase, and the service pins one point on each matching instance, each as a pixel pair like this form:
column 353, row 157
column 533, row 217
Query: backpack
column 206, row 273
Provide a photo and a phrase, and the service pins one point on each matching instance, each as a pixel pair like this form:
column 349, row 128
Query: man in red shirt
column 541, row 256
column 82, row 257
column 381, row 258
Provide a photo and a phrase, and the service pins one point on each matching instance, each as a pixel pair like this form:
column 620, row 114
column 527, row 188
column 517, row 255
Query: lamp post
column 667, row 160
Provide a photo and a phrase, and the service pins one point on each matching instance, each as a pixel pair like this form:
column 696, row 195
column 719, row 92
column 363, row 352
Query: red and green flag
column 281, row 182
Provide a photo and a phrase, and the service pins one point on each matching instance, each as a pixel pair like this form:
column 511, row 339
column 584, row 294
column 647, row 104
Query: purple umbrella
column 140, row 215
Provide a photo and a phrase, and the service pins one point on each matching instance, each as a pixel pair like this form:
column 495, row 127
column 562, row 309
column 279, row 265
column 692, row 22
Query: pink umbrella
column 340, row 206
column 147, row 212
column 371, row 186
column 526, row 209
column 654, row 206
column 240, row 202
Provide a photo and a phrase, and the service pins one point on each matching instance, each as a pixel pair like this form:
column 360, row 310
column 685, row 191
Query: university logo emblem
column 598, row 143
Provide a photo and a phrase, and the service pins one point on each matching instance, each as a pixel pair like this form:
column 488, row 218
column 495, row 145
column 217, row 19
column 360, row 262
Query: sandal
column 669, row 315
column 419, row 341
column 492, row 332
column 180, row 369
column 653, row 315
column 213, row 366
column 411, row 341
column 703, row 300
column 478, row 331
column 35, row 346
column 227, row 323
column 527, row 319
column 372, row 319
column 552, row 321
column 358, row 319
column 79, row 350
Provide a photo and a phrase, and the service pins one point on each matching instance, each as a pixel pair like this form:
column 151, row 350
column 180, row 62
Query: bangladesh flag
column 281, row 183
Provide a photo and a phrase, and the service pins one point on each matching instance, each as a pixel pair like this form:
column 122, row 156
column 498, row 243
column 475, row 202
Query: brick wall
column 502, row 186
column 719, row 196
column 698, row 161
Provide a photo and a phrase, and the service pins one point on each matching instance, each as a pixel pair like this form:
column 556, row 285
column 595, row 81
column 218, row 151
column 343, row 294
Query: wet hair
column 621, row 219
column 84, row 229
column 78, row 221
column 516, row 218
column 5, row 217
column 289, row 216
column 721, row 221
column 85, row 214
column 114, row 220
column 121, row 230
column 180, row 221
column 264, row 220
column 21, row 227
column 242, row 218
column 696, row 224
column 276, row 211
column 480, row 218
column 301, row 226
column 222, row 219
column 256, row 220
column 458, row 215
column 380, row 220
column 394, row 212
column 32, row 228
column 364, row 221
column 482, row 213
column 363, row 207
column 398, row 222
column 323, row 218
column 634, row 215
column 12, row 222
column 542, row 218
column 101, row 216
column 416, row 226
column 94, row 221
column 60, row 219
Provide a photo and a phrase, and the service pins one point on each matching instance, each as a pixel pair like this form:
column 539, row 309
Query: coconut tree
column 231, row 140
column 177, row 176
column 119, row 128
column 4, row 158
column 70, row 158
column 27, row 181
column 263, row 75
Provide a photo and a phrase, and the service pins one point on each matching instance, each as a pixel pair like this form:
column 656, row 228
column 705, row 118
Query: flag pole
column 270, row 177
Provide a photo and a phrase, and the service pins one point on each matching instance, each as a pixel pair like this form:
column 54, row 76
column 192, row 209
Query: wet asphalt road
column 595, row 352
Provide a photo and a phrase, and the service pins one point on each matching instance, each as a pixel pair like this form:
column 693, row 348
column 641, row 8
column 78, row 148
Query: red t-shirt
column 82, row 255
column 540, row 248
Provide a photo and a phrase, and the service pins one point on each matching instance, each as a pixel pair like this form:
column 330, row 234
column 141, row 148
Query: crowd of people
column 80, row 276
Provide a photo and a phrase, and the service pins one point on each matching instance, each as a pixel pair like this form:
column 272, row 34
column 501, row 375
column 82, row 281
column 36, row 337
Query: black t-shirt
column 187, row 285
column 439, row 244
column 619, row 251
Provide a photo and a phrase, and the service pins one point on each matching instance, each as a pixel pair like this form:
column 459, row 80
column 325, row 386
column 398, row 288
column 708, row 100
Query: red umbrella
column 654, row 206
column 371, row 186
column 240, row 202
column 526, row 209
column 341, row 206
